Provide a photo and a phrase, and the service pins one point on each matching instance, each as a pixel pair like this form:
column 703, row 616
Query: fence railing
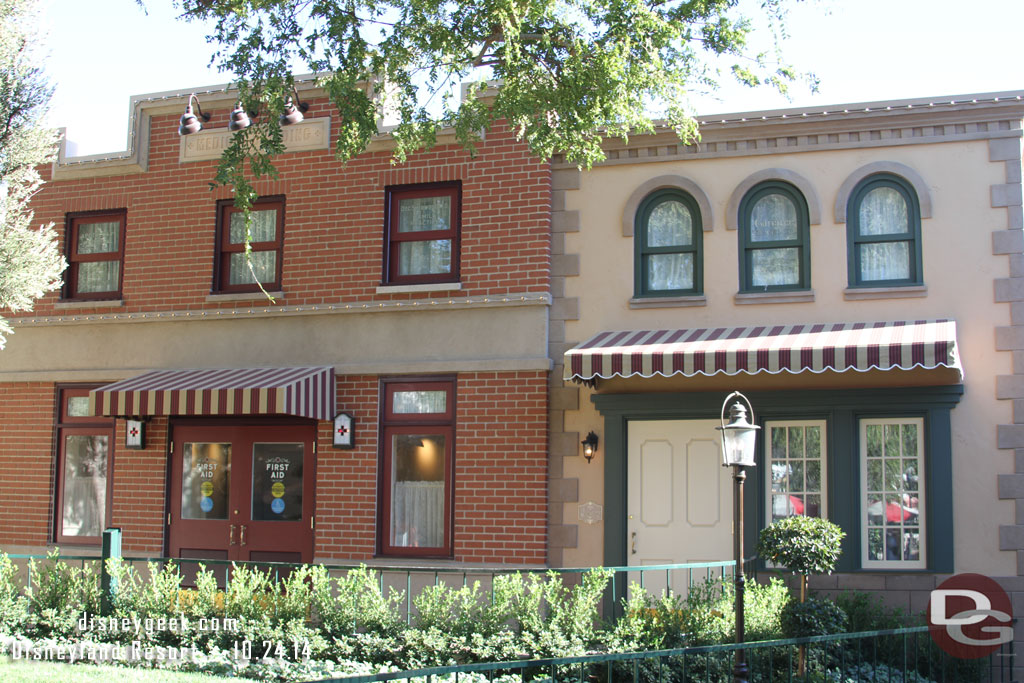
column 411, row 580
column 906, row 655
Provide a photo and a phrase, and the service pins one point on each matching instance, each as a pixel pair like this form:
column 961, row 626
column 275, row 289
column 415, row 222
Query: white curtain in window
column 773, row 218
column 417, row 514
column 669, row 271
column 98, row 276
column 85, row 485
column 263, row 229
column 884, row 261
column 670, row 225
column 771, row 267
column 883, row 211
column 264, row 264
column 425, row 258
column 415, row 402
column 98, row 238
column 424, row 213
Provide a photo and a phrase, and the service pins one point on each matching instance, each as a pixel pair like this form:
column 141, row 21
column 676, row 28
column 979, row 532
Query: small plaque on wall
column 344, row 431
column 135, row 434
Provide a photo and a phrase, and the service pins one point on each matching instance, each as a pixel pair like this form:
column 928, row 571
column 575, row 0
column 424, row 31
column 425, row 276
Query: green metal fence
column 906, row 655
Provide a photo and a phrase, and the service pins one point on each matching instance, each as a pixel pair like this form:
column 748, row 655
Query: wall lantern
column 344, row 431
column 239, row 118
column 190, row 123
column 135, row 434
column 292, row 113
column 737, row 436
column 589, row 446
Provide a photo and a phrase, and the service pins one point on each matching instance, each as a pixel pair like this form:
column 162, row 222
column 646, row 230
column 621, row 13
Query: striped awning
column 836, row 347
column 303, row 392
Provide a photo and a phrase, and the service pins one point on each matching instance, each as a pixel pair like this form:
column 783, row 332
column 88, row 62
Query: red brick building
column 412, row 299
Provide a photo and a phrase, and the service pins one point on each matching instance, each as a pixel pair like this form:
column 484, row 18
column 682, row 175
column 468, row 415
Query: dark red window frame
column 393, row 424
column 223, row 248
column 394, row 238
column 90, row 426
column 72, row 226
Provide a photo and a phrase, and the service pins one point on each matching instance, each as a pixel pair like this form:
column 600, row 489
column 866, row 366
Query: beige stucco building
column 906, row 213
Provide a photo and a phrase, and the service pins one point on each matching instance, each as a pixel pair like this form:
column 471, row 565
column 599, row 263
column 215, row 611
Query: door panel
column 242, row 492
column 679, row 497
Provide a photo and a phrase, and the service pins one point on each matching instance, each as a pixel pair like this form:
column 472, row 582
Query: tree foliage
column 572, row 72
column 805, row 545
column 30, row 259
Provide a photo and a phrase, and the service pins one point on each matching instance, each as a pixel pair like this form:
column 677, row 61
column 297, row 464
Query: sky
column 101, row 52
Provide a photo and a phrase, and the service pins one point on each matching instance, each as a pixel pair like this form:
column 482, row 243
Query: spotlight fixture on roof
column 239, row 118
column 292, row 112
column 190, row 123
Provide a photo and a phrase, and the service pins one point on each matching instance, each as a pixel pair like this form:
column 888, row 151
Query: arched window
column 669, row 245
column 774, row 239
column 884, row 233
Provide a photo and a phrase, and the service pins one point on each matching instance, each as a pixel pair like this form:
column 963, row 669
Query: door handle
column 243, row 536
column 231, row 535
column 633, row 536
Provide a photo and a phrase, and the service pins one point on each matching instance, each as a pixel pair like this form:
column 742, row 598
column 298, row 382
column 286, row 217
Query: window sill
column 796, row 297
column 668, row 301
column 904, row 292
column 243, row 296
column 71, row 304
column 430, row 287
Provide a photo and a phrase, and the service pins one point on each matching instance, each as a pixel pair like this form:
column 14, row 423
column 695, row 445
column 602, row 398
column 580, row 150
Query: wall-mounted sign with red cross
column 134, row 434
column 344, row 431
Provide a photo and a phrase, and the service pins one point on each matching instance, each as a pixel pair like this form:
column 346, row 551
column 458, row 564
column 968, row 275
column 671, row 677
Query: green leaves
column 804, row 545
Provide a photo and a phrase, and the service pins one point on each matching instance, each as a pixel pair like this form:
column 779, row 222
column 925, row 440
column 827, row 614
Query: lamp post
column 738, row 439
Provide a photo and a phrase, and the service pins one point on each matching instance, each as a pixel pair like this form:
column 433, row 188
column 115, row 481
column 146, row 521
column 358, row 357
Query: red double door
column 242, row 492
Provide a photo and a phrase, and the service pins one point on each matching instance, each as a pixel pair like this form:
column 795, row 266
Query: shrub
column 60, row 595
column 867, row 612
column 814, row 617
column 805, row 545
column 13, row 605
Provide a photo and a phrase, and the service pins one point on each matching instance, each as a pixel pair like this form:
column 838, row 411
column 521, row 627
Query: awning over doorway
column 836, row 347
column 303, row 392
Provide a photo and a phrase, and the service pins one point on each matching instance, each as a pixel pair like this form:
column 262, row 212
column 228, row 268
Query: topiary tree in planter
column 803, row 545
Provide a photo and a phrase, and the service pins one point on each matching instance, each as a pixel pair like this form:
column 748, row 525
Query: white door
column 680, row 500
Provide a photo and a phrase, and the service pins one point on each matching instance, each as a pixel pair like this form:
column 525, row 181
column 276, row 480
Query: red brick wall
column 140, row 485
column 500, row 471
column 334, row 220
column 26, row 462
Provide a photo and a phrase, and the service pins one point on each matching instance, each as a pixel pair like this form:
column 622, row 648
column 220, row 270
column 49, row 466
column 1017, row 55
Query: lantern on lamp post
column 738, row 441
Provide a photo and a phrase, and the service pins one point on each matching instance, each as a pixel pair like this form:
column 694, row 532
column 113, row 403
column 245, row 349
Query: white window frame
column 823, row 459
column 866, row 562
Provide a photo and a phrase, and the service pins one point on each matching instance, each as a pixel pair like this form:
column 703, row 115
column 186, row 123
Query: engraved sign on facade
column 591, row 513
column 209, row 144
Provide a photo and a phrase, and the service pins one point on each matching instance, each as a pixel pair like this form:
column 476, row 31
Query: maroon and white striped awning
column 303, row 392
column 772, row 349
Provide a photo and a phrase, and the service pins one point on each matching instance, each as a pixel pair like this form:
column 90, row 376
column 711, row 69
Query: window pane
column 417, row 490
column 774, row 218
column 796, row 469
column 425, row 258
column 883, row 211
column 204, row 480
column 771, row 267
column 669, row 271
column 263, row 229
column 264, row 264
column 670, row 225
column 78, row 406
column 85, row 485
column 884, row 261
column 893, row 491
column 412, row 402
column 98, row 238
column 98, row 276
column 424, row 213
column 277, row 481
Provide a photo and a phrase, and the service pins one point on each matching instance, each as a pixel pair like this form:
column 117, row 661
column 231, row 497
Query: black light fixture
column 239, row 118
column 293, row 114
column 190, row 123
column 589, row 446
column 738, row 442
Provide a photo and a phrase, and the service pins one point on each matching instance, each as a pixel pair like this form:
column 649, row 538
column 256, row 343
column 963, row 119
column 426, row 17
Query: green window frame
column 658, row 256
column 867, row 245
column 758, row 249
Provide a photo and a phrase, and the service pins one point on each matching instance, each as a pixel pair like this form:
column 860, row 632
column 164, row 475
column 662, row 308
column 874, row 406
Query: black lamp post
column 738, row 439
